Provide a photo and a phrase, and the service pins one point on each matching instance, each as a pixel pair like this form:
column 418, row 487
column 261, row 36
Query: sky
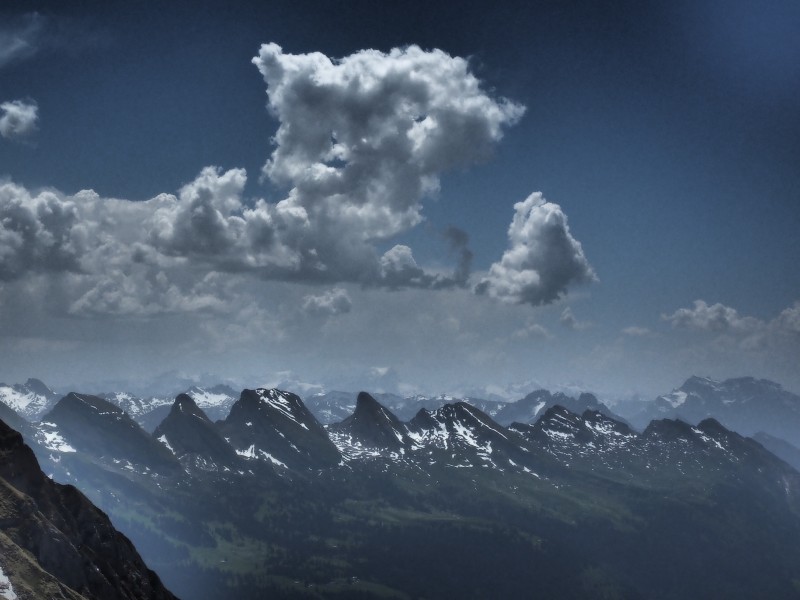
column 461, row 197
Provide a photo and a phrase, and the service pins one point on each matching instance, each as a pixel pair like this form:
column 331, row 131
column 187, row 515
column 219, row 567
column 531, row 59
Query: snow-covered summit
column 30, row 399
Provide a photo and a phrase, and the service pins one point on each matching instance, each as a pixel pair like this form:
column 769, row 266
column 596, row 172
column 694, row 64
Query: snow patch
column 205, row 399
column 253, row 453
column 52, row 439
column 163, row 440
column 6, row 589
column 278, row 400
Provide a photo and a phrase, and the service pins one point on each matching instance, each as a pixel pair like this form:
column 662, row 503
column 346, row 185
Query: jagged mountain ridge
column 455, row 461
column 276, row 426
column 371, row 426
column 215, row 401
column 780, row 448
column 529, row 408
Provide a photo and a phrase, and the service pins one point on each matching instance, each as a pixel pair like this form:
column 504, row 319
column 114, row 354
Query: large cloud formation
column 542, row 260
column 728, row 327
column 38, row 233
column 361, row 142
column 715, row 317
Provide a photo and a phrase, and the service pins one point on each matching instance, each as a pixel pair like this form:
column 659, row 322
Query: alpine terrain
column 552, row 494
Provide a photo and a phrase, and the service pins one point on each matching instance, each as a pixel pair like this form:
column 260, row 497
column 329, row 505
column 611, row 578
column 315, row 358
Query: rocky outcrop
column 76, row 548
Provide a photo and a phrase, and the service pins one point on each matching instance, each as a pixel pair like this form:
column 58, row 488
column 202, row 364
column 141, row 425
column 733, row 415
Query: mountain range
column 556, row 494
column 256, row 496
column 745, row 404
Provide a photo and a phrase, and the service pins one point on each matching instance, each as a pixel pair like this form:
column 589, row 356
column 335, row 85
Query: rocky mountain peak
column 670, row 430
column 275, row 425
column 185, row 405
column 373, row 426
column 191, row 436
column 37, row 386
column 91, row 424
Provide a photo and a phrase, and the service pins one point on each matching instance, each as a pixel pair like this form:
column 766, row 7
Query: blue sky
column 666, row 134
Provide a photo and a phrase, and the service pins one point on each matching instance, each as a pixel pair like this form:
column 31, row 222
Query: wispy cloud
column 20, row 38
column 29, row 35
column 570, row 321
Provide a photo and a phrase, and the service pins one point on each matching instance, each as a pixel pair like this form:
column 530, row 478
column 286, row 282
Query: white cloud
column 38, row 233
column 734, row 331
column 542, row 260
column 139, row 291
column 332, row 302
column 384, row 127
column 362, row 141
column 19, row 118
column 789, row 319
column 715, row 317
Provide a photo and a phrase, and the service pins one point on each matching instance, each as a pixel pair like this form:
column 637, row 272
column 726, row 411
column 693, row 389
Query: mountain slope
column 744, row 404
column 371, row 426
column 13, row 419
column 100, row 429
column 31, row 399
column 532, row 406
column 189, row 434
column 65, row 534
column 780, row 448
column 275, row 426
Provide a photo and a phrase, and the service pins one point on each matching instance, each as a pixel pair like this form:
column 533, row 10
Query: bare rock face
column 78, row 552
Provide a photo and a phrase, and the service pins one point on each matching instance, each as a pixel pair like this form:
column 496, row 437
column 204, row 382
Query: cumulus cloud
column 543, row 259
column 38, row 233
column 363, row 139
column 333, row 302
column 19, row 118
column 361, row 142
column 729, row 329
column 398, row 269
column 789, row 319
column 715, row 317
